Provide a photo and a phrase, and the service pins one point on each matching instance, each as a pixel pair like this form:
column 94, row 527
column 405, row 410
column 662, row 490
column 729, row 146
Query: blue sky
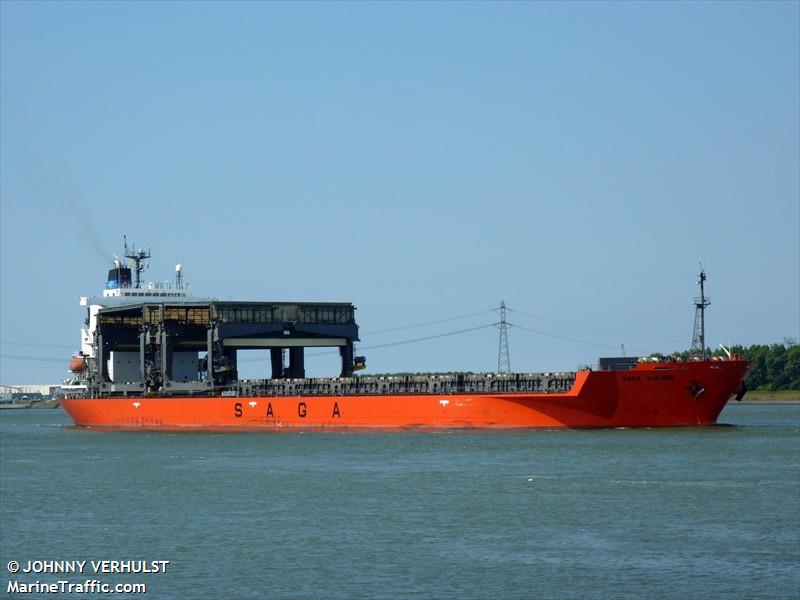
column 422, row 160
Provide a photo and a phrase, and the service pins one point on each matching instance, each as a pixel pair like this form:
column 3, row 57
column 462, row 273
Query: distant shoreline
column 746, row 401
column 767, row 397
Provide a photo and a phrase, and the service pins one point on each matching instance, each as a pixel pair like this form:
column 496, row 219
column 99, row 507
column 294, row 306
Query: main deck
column 390, row 385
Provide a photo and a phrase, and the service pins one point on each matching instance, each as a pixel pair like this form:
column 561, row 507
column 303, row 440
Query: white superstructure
column 121, row 289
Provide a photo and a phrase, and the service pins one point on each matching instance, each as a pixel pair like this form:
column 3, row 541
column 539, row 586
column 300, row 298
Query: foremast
column 700, row 303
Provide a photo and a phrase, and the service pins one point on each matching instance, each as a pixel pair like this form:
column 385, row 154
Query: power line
column 560, row 337
column 430, row 337
column 423, row 324
column 35, row 345
column 399, row 343
column 605, row 331
column 504, row 364
column 33, row 358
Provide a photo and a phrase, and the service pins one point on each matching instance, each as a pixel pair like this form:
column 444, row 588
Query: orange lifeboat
column 77, row 363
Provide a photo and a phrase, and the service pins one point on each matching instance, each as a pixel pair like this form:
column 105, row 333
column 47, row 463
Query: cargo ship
column 155, row 357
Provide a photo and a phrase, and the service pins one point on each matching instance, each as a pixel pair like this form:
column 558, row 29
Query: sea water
column 711, row 512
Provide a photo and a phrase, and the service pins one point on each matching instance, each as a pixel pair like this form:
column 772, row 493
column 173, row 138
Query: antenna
column 503, row 358
column 700, row 304
column 139, row 258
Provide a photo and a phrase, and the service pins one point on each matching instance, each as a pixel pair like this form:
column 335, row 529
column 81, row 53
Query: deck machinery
column 155, row 346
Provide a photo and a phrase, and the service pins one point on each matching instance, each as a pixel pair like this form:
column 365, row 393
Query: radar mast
column 139, row 258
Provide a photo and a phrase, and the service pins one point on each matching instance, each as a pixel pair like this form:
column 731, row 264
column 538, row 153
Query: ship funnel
column 119, row 276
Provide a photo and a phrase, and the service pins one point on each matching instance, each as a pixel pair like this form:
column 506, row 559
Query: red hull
column 651, row 395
